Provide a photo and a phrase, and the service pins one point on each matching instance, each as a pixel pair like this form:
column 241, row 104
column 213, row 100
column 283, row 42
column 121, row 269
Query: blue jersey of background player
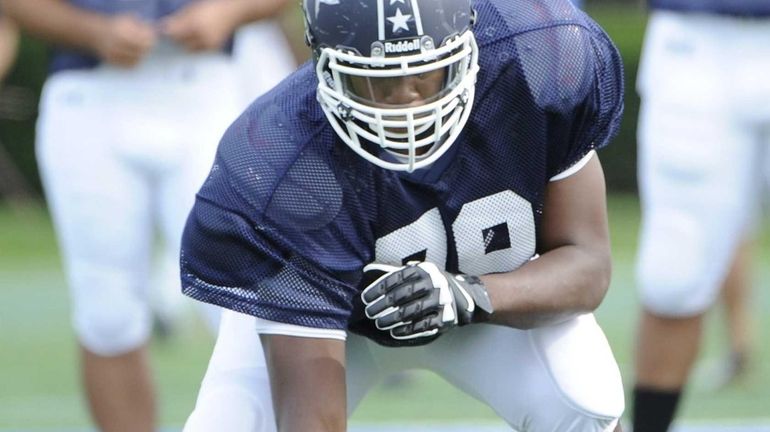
column 149, row 11
column 412, row 144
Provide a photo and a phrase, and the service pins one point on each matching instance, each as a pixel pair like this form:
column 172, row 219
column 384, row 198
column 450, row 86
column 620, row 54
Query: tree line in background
column 623, row 20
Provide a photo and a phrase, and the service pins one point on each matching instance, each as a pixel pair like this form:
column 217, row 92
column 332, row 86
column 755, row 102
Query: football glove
column 420, row 300
column 363, row 326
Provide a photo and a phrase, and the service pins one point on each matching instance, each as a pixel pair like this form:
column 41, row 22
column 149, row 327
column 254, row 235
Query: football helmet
column 396, row 78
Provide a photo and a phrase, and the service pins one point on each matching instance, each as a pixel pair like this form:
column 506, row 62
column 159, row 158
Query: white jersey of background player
column 138, row 95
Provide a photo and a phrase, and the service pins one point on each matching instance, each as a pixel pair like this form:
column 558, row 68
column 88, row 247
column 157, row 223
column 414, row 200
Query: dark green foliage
column 625, row 25
column 17, row 134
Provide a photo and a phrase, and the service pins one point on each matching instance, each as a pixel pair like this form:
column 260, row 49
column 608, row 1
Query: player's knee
column 588, row 400
column 676, row 274
column 109, row 318
column 112, row 330
column 675, row 300
column 674, row 291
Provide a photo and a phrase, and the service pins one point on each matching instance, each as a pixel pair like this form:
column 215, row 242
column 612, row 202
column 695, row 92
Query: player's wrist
column 482, row 308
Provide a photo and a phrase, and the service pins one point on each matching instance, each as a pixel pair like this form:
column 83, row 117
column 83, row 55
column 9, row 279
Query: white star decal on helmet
column 400, row 21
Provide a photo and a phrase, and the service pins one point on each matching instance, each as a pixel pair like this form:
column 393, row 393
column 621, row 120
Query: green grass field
column 38, row 369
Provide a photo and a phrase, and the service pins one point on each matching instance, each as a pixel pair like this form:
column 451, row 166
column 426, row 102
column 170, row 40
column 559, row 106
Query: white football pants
column 560, row 378
column 121, row 152
column 704, row 134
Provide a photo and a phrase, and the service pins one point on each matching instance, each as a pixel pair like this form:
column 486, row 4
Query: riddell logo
column 402, row 46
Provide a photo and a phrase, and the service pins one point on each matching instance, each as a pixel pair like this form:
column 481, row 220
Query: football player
column 702, row 134
column 138, row 94
column 424, row 194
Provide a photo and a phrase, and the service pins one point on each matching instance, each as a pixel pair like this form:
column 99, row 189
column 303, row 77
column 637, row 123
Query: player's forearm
column 307, row 379
column 561, row 284
column 58, row 22
column 245, row 11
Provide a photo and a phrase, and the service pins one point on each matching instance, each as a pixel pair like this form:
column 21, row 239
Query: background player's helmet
column 362, row 45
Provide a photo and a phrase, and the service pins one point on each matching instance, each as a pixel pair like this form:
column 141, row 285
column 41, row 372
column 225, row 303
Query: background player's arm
column 209, row 24
column 246, row 11
column 121, row 39
column 573, row 272
column 9, row 38
column 307, row 379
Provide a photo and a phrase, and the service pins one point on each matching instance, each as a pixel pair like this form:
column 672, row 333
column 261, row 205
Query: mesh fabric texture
column 290, row 215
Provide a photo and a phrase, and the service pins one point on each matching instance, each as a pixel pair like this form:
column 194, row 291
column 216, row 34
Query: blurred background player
column 138, row 95
column 704, row 126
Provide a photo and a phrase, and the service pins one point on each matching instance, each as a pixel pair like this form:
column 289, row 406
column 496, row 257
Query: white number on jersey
column 492, row 234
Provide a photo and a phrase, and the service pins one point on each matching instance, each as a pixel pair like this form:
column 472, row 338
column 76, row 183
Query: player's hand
column 201, row 26
column 125, row 40
column 420, row 300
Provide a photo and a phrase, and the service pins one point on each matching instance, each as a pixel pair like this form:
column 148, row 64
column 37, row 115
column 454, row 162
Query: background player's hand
column 421, row 300
column 125, row 40
column 201, row 26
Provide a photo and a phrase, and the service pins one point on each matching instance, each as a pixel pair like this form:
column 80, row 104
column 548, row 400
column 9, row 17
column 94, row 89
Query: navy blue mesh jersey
column 289, row 214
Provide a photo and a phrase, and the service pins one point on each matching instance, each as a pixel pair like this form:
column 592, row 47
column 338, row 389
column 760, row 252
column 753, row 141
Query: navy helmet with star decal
column 360, row 46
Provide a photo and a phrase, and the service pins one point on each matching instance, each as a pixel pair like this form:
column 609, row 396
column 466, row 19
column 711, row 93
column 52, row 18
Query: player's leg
column 368, row 363
column 734, row 294
column 556, row 378
column 99, row 210
column 113, row 326
column 119, row 388
column 736, row 289
column 692, row 221
column 696, row 173
column 235, row 393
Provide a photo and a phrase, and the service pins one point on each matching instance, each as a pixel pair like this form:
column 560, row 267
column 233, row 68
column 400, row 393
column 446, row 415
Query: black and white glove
column 420, row 300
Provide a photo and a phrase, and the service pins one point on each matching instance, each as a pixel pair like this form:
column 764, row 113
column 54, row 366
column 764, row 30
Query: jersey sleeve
column 269, row 235
column 578, row 82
